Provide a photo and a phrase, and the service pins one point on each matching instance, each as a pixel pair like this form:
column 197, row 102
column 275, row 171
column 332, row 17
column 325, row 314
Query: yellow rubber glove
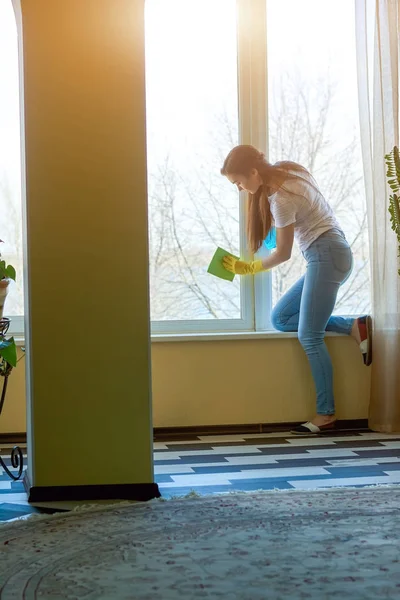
column 241, row 267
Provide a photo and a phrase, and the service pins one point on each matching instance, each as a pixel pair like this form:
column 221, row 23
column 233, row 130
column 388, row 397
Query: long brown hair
column 240, row 161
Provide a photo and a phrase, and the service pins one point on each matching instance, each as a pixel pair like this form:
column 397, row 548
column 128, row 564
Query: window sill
column 213, row 337
column 227, row 336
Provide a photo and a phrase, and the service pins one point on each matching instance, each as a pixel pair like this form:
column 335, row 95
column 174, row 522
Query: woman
column 286, row 195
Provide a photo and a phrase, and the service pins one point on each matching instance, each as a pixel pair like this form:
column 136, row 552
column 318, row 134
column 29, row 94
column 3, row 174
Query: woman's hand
column 241, row 267
column 284, row 243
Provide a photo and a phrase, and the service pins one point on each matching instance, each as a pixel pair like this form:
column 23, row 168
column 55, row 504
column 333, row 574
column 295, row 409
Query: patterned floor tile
column 378, row 453
column 18, row 498
column 346, row 482
column 224, row 464
column 280, row 461
column 221, row 478
column 10, row 515
column 286, row 464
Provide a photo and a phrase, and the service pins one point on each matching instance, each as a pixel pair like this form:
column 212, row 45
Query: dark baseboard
column 140, row 492
column 13, row 438
column 169, row 433
column 161, row 433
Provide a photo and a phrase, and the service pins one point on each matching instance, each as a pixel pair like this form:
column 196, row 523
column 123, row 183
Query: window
column 219, row 73
column 222, row 72
column 192, row 121
column 313, row 119
column 10, row 162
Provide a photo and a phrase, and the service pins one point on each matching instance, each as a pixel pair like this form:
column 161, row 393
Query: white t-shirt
column 304, row 206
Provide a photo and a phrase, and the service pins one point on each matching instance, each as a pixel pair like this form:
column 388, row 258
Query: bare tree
column 191, row 213
column 301, row 128
column 179, row 238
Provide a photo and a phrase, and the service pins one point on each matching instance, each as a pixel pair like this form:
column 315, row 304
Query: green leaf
column 394, row 210
column 7, row 270
column 11, row 272
column 393, row 175
column 8, row 351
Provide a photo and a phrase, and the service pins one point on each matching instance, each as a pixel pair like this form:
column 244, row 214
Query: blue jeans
column 308, row 305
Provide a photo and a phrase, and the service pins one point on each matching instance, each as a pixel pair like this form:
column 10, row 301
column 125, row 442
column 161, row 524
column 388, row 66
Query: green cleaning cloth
column 216, row 268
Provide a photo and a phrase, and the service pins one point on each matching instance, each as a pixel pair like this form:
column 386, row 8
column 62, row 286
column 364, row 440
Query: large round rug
column 281, row 545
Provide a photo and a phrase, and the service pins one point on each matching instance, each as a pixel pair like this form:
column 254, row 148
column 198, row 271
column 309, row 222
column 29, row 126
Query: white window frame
column 16, row 326
column 253, row 127
column 255, row 293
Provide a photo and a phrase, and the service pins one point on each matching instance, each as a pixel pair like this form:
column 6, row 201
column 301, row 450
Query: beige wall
column 266, row 381
column 261, row 381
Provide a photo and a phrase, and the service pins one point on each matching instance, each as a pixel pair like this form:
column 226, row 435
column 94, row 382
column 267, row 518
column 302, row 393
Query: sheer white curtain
column 377, row 35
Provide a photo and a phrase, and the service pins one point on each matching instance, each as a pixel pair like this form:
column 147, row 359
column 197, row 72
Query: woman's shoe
column 364, row 325
column 311, row 429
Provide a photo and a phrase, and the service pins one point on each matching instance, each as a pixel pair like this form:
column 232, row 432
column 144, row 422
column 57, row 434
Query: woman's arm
column 284, row 245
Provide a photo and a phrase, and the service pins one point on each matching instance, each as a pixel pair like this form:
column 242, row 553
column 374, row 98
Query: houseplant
column 393, row 173
column 8, row 351
column 8, row 359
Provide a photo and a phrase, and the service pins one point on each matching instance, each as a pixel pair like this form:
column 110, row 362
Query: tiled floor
column 215, row 464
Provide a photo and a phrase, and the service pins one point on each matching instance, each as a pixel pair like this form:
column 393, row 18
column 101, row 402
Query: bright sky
column 191, row 62
column 192, row 74
column 191, row 65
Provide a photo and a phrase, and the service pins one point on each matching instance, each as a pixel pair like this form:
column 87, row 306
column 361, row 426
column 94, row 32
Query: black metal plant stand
column 17, row 459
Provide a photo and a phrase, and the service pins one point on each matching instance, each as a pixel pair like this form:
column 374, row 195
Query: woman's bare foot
column 321, row 420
